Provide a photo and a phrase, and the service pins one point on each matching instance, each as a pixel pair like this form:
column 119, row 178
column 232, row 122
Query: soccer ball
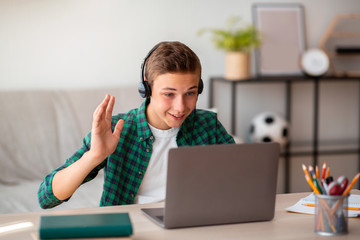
column 269, row 127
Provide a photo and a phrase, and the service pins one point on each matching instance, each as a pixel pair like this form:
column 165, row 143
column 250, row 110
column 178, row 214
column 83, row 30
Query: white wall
column 50, row 44
column 76, row 43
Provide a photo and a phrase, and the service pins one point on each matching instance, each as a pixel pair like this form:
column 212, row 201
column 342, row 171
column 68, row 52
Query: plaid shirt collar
column 143, row 129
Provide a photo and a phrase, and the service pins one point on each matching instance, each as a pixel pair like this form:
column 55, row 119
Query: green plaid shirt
column 125, row 168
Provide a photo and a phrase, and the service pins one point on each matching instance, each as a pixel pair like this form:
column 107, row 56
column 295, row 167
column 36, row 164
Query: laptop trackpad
column 155, row 214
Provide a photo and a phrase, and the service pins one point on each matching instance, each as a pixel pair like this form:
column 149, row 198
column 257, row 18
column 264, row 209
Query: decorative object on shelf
column 341, row 42
column 283, row 38
column 314, row 62
column 237, row 41
column 269, row 127
column 237, row 65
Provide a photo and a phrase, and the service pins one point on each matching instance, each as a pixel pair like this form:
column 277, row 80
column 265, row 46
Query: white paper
column 299, row 207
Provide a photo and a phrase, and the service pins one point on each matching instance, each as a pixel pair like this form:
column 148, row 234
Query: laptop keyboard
column 161, row 218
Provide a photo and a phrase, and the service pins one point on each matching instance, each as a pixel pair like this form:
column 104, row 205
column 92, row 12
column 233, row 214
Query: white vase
column 237, row 66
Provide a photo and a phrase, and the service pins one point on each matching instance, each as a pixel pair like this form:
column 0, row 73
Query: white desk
column 285, row 225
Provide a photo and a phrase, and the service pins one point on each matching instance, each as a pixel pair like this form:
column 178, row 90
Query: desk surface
column 285, row 225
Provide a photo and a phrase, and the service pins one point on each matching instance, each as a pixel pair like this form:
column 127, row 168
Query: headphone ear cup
column 144, row 89
column 141, row 89
column 201, row 86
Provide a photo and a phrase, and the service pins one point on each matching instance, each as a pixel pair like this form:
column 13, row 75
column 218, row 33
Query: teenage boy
column 132, row 147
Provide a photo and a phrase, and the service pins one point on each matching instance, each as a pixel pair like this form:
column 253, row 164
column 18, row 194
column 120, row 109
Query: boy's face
column 173, row 98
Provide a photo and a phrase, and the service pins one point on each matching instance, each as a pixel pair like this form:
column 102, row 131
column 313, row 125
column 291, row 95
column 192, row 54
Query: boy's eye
column 169, row 94
column 190, row 93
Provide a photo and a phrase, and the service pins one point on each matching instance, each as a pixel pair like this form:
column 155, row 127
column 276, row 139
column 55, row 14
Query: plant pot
column 237, row 66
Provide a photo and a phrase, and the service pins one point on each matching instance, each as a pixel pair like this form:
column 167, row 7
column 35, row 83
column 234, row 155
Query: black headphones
column 144, row 87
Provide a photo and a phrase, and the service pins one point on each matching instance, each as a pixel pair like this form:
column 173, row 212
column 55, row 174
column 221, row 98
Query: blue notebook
column 85, row 226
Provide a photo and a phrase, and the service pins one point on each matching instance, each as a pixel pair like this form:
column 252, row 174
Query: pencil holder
column 331, row 215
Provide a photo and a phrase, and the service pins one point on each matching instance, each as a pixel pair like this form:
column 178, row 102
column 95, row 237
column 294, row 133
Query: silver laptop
column 219, row 184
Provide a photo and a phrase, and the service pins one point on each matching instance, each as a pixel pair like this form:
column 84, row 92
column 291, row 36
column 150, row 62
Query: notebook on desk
column 219, row 184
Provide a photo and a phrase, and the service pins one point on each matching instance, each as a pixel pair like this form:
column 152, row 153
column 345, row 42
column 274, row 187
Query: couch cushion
column 22, row 197
column 84, row 102
column 34, row 134
column 39, row 130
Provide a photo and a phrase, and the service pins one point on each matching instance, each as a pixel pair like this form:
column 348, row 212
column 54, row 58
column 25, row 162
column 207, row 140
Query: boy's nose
column 179, row 104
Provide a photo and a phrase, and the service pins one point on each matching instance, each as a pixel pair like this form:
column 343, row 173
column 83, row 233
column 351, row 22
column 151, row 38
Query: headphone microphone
column 144, row 87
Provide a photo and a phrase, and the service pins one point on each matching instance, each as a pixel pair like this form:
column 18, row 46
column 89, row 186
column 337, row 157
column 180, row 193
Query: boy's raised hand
column 103, row 140
column 103, row 143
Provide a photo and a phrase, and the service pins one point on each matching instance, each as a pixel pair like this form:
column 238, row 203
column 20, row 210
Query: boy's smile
column 173, row 98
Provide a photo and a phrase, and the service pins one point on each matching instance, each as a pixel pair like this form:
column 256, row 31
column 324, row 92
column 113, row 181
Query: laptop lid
column 219, row 184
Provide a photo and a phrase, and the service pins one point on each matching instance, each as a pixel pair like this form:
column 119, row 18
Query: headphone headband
column 144, row 61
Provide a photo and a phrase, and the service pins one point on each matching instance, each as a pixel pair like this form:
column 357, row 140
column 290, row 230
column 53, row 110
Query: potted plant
column 237, row 40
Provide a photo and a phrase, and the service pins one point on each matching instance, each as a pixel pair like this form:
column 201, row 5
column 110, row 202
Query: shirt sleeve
column 46, row 196
column 222, row 136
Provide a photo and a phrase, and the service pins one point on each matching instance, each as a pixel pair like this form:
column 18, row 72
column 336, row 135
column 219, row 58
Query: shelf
column 286, row 78
column 315, row 147
column 325, row 148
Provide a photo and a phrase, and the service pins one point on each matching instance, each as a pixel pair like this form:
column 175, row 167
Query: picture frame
column 282, row 31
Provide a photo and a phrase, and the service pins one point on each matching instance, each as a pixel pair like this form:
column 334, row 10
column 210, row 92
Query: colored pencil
column 317, row 172
column 315, row 180
column 327, row 172
column 311, row 171
column 310, row 182
column 346, row 192
column 323, row 171
column 331, row 218
column 306, row 171
column 317, row 184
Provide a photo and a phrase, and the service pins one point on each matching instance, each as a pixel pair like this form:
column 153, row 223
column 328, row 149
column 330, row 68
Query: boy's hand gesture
column 103, row 140
column 103, row 143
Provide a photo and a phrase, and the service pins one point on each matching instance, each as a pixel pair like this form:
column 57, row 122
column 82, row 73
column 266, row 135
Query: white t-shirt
column 153, row 185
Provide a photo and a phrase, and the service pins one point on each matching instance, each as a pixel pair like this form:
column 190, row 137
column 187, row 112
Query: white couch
column 39, row 130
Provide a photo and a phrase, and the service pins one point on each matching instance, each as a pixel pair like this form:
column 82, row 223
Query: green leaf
column 236, row 37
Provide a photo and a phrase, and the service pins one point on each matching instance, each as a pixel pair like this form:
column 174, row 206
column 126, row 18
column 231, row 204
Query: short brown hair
column 171, row 57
